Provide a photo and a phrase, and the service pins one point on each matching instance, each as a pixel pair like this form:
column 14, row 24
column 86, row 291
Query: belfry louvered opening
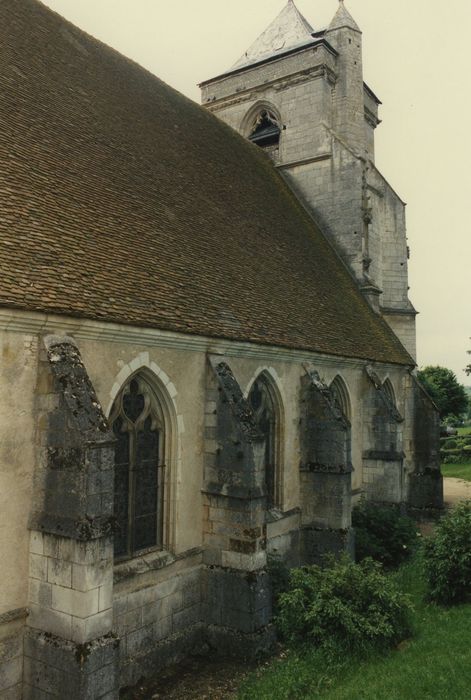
column 265, row 131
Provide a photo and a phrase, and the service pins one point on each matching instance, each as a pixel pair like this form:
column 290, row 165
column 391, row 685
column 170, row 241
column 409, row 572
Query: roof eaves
column 371, row 94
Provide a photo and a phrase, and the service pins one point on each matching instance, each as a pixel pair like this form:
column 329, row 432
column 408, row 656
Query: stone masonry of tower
column 327, row 115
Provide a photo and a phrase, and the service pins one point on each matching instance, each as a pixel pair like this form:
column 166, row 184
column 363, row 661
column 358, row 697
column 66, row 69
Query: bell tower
column 298, row 93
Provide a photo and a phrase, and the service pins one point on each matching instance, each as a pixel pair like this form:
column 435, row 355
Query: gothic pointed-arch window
column 388, row 388
column 340, row 392
column 138, row 424
column 390, row 431
column 265, row 131
column 263, row 402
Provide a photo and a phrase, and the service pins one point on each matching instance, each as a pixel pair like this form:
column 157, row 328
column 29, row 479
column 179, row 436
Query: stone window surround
column 132, row 425
column 167, row 393
column 339, row 386
column 275, row 386
column 260, row 106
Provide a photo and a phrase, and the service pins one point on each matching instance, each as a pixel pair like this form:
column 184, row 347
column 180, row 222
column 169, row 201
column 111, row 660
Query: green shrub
column 452, row 451
column 447, row 557
column 451, row 459
column 346, row 606
column 449, row 444
column 383, row 534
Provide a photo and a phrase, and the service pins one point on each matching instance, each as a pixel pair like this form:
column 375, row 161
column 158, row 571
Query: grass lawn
column 436, row 663
column 457, row 471
column 464, row 431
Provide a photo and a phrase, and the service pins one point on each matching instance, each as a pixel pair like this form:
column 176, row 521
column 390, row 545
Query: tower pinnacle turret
column 343, row 18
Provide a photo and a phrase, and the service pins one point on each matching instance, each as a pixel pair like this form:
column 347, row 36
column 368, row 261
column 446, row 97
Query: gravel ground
column 194, row 679
column 456, row 490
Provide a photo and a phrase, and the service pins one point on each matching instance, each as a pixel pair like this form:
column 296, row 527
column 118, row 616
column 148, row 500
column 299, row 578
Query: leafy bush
column 346, row 606
column 452, row 451
column 451, row 459
column 449, row 444
column 447, row 557
column 383, row 534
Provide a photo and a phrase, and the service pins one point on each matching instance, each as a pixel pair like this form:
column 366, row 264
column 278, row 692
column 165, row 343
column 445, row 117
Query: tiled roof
column 123, row 201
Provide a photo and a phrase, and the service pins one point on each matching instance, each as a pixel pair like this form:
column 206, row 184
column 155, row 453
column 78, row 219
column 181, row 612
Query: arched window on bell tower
column 263, row 126
column 265, row 130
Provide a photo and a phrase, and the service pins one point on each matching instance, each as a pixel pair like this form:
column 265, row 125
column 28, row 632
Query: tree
column 442, row 385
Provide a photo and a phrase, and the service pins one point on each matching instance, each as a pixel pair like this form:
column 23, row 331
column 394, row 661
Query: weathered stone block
column 187, row 617
column 239, row 600
column 84, row 630
column 426, row 491
column 59, row 572
column 317, row 543
column 10, row 673
column 62, row 669
column 13, row 693
column 38, row 567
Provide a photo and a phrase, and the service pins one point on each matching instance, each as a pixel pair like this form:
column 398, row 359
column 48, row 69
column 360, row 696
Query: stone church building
column 207, row 346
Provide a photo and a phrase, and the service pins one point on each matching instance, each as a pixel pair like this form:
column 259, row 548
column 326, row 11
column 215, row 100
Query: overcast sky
column 416, row 59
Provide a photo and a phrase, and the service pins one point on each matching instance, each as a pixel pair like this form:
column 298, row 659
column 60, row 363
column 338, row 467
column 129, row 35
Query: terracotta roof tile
column 123, row 201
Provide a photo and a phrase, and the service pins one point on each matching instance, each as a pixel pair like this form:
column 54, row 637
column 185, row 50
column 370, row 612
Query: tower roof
column 343, row 18
column 288, row 30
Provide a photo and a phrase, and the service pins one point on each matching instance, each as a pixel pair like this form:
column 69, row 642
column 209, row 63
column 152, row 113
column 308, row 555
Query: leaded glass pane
column 138, row 499
column 264, row 409
column 121, row 488
column 146, row 487
column 133, row 402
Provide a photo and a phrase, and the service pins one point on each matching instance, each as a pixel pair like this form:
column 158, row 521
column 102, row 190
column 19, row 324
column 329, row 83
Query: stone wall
column 11, row 654
column 69, row 649
column 157, row 612
column 157, row 607
column 425, row 481
column 384, row 472
column 237, row 597
column 326, row 468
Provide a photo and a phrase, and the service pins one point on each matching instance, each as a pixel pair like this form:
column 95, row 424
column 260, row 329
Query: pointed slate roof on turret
column 342, row 19
column 288, row 30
